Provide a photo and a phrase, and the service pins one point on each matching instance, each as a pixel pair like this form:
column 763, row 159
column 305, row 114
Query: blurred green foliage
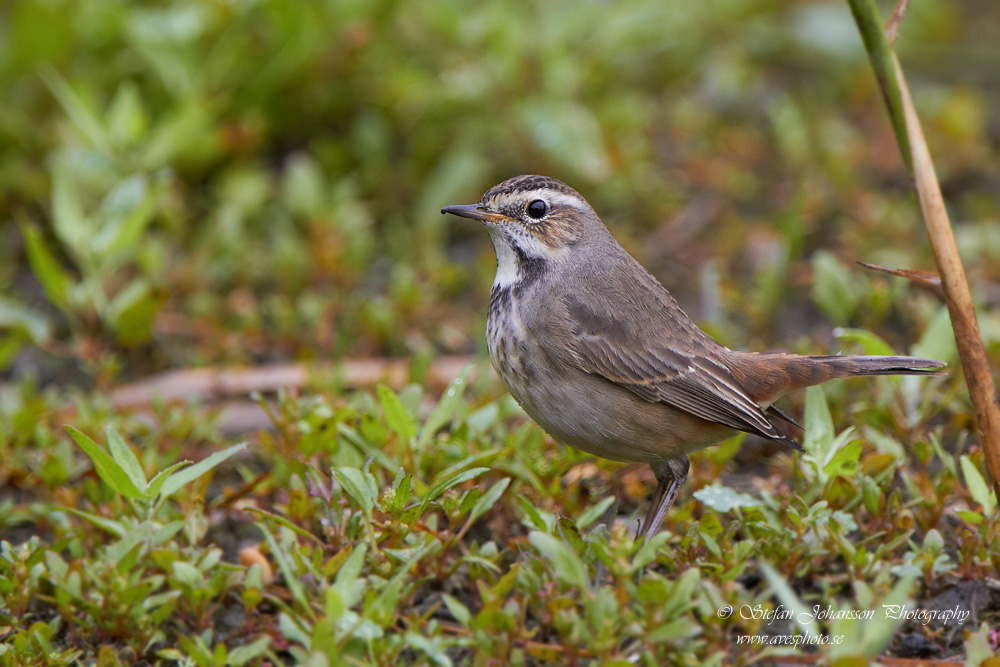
column 240, row 180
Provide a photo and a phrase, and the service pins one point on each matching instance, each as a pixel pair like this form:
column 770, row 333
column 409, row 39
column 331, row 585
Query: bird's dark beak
column 472, row 211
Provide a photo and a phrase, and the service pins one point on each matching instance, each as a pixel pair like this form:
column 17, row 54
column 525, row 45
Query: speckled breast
column 507, row 344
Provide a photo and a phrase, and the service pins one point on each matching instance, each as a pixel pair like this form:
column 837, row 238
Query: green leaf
column 443, row 485
column 46, row 268
column 802, row 615
column 155, row 484
column 133, row 311
column 723, row 499
column 124, row 215
column 18, row 317
column 565, row 564
column 979, row 647
column 835, row 289
column 106, row 467
column 869, row 342
column 647, row 552
column 938, row 341
column 244, row 654
column 117, row 551
column 819, row 424
column 396, row 416
column 978, row 488
column 127, row 119
column 446, row 407
column 360, row 486
column 594, row 512
column 348, row 582
column 187, row 574
column 457, row 610
column 682, row 593
column 488, row 500
column 68, row 219
column 87, row 121
column 125, row 458
column 845, row 461
column 191, row 473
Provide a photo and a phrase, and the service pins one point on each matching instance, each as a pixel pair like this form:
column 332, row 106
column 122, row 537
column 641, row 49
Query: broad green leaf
column 673, row 630
column 281, row 557
column 112, row 473
column 682, row 594
column 69, row 221
column 284, row 523
column 835, row 289
column 565, row 564
column 117, row 551
column 594, row 512
column 153, row 489
column 125, row 458
column 304, row 189
column 938, row 341
column 443, row 485
column 396, row 416
column 87, row 121
column 116, row 528
column 869, row 342
column 488, row 499
column 133, row 311
column 819, row 424
column 845, row 460
column 535, row 517
column 46, row 268
column 244, row 654
column 193, row 472
column 127, row 119
column 978, row 488
column 647, row 552
column 724, row 499
column 333, row 605
column 349, row 582
column 979, row 647
column 19, row 317
column 187, row 574
column 446, row 406
column 802, row 615
column 360, row 486
column 124, row 215
column 457, row 610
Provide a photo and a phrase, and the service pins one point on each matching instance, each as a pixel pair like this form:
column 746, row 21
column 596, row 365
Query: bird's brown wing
column 689, row 375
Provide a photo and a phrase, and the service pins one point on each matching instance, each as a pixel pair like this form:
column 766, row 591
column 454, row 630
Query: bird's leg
column 669, row 476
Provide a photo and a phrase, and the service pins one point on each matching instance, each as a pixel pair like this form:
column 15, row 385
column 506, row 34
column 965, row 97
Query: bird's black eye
column 537, row 209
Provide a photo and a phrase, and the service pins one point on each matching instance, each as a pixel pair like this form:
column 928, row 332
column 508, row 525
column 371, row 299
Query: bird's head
column 530, row 219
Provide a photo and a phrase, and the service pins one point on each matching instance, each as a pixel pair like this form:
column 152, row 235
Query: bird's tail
column 767, row 376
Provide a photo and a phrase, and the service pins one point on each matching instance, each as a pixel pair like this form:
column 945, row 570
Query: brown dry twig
column 927, row 279
column 214, row 383
column 892, row 27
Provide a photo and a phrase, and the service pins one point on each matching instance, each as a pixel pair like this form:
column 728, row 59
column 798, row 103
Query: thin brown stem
column 916, row 155
column 975, row 363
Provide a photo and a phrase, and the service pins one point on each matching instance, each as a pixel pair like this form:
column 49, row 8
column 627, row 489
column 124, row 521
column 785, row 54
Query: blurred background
column 241, row 181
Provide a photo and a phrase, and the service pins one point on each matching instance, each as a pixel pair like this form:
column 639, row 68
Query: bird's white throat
column 508, row 267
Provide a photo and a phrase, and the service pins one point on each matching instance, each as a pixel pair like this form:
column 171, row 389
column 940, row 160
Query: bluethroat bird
column 602, row 357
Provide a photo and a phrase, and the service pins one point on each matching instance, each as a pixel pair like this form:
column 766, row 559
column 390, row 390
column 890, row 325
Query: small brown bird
column 597, row 352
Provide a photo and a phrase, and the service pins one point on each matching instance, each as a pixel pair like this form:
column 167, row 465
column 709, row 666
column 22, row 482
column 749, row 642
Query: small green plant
column 122, row 471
